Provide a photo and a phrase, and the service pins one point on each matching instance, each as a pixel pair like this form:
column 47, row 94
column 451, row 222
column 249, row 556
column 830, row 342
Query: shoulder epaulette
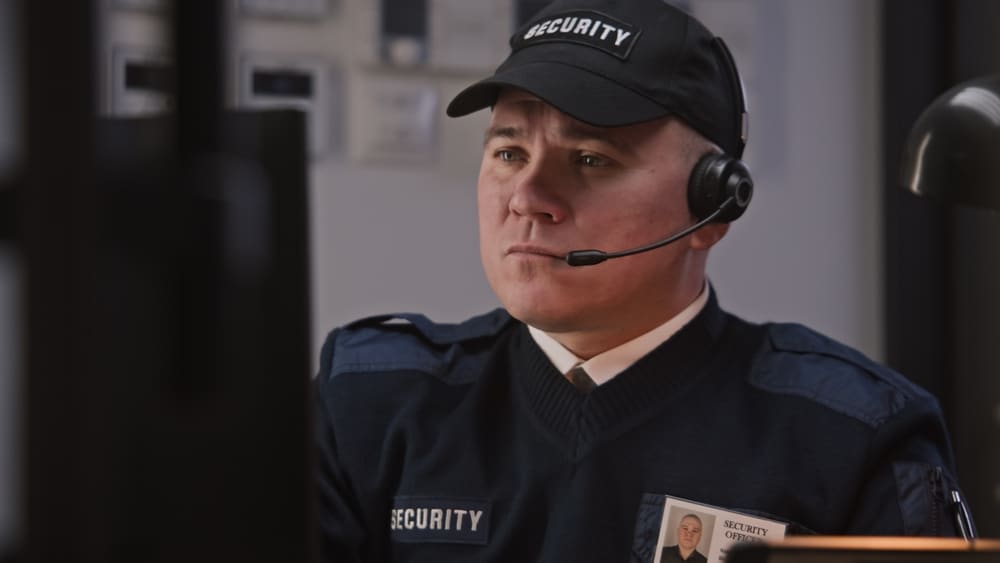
column 806, row 363
column 406, row 341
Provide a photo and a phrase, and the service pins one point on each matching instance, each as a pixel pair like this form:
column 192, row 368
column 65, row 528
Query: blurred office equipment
column 403, row 32
column 276, row 82
column 941, row 267
column 165, row 327
column 951, row 156
column 951, row 153
column 141, row 81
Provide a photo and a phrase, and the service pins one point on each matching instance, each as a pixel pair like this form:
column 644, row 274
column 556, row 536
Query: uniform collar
column 606, row 365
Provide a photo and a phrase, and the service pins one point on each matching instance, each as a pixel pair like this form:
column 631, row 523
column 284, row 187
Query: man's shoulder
column 797, row 360
column 409, row 342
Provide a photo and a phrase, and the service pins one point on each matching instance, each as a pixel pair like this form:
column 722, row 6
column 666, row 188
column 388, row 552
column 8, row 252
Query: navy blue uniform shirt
column 463, row 443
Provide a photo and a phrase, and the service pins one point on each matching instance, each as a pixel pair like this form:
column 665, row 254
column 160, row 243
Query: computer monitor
column 194, row 416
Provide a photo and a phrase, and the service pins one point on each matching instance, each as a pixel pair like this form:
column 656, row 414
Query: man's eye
column 506, row 155
column 592, row 160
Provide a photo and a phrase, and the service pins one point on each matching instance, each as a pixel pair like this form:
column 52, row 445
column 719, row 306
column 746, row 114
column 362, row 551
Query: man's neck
column 585, row 344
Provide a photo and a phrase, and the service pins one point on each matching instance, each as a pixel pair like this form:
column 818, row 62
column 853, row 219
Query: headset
column 719, row 188
column 718, row 178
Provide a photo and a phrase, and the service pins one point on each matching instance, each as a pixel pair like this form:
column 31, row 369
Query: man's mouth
column 535, row 250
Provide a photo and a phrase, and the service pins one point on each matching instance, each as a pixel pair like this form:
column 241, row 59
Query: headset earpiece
column 716, row 178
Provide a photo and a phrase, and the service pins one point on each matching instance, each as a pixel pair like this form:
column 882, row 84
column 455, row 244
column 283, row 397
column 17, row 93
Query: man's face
column 688, row 533
column 550, row 184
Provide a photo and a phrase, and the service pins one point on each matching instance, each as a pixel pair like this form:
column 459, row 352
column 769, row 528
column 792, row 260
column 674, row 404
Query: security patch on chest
column 670, row 529
column 439, row 520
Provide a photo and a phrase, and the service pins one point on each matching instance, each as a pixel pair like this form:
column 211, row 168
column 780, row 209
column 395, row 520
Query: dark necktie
column 579, row 378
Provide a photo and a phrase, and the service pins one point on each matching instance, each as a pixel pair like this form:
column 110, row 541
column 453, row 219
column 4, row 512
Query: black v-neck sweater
column 424, row 427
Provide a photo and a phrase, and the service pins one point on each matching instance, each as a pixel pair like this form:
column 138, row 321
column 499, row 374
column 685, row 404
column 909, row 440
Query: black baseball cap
column 618, row 62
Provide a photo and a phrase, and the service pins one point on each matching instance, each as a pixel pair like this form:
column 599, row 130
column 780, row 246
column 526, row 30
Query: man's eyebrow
column 506, row 132
column 579, row 133
column 573, row 132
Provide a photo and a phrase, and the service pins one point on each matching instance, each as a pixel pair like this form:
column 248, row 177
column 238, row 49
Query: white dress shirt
column 606, row 365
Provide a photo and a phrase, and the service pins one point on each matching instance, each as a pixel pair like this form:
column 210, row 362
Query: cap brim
column 577, row 92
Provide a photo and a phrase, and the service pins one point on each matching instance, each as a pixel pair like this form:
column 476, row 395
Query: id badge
column 671, row 529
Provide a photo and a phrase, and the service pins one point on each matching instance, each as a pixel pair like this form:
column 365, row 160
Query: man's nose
column 537, row 192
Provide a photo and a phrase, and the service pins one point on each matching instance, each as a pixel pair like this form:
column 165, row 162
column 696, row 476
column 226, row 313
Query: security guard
column 552, row 429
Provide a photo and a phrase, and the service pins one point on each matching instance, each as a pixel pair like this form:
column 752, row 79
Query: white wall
column 809, row 247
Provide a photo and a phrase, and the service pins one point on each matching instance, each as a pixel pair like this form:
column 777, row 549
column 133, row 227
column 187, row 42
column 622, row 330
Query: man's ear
column 706, row 237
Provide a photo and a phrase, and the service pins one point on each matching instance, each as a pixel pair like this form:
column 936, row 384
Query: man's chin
column 546, row 317
column 548, row 305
